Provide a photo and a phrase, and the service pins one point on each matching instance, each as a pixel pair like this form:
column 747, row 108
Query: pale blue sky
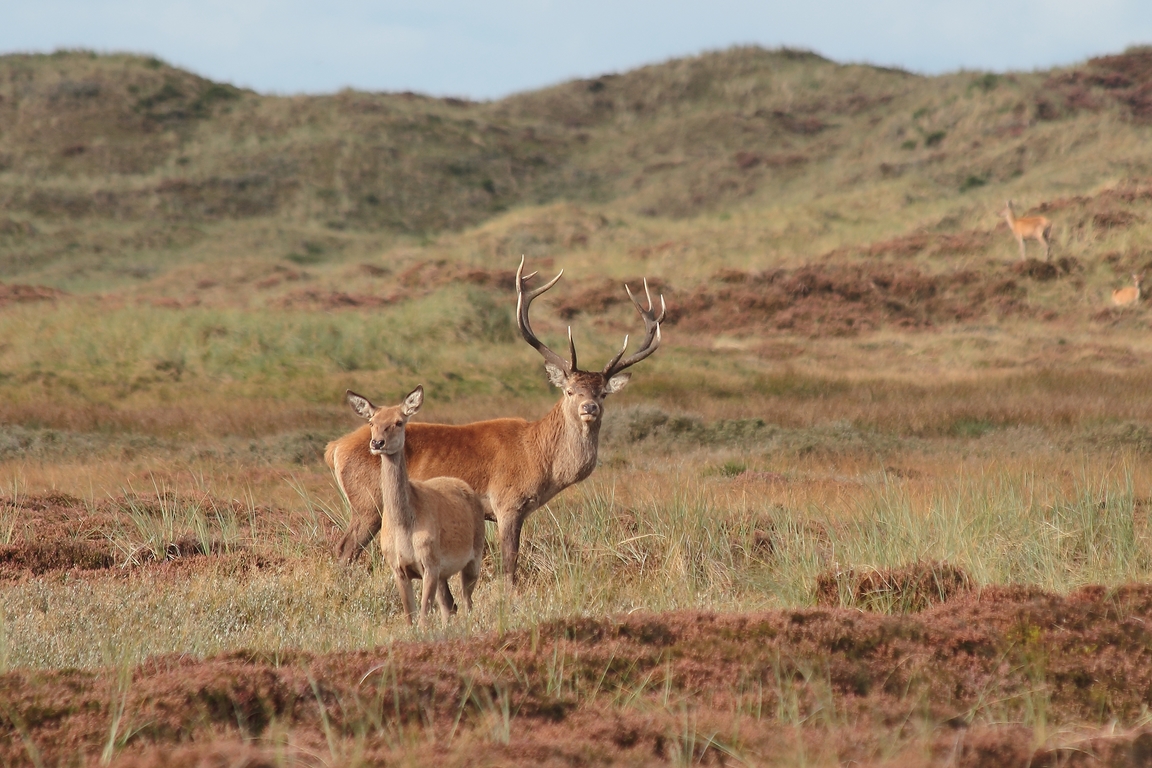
column 490, row 49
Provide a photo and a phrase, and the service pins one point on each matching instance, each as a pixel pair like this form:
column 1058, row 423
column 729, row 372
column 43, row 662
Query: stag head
column 584, row 391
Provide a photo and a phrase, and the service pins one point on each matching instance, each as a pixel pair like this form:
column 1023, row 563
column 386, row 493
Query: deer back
column 1123, row 296
column 1031, row 226
column 484, row 453
column 357, row 471
column 500, row 450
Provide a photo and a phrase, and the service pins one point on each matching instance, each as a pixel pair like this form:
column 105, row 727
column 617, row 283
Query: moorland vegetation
column 882, row 495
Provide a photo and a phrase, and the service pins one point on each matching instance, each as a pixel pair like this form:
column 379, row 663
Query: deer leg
column 468, row 578
column 509, row 527
column 444, row 598
column 430, row 586
column 361, row 530
column 1021, row 241
column 404, row 584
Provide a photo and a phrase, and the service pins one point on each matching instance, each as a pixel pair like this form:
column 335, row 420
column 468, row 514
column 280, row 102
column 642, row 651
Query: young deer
column 433, row 529
column 1036, row 227
column 1123, row 297
column 518, row 465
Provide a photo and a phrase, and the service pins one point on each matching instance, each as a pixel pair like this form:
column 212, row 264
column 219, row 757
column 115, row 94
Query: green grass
column 171, row 527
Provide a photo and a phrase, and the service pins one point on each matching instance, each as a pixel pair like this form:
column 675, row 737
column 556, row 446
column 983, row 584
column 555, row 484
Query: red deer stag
column 435, row 528
column 519, row 465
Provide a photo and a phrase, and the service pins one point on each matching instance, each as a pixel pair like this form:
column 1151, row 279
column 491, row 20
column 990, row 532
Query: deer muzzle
column 589, row 411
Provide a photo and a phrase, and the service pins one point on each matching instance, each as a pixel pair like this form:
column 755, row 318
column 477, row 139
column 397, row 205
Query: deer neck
column 396, row 492
column 570, row 443
column 1010, row 217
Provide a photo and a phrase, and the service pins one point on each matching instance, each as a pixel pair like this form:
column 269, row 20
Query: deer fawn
column 1123, row 297
column 1036, row 227
column 518, row 465
column 433, row 529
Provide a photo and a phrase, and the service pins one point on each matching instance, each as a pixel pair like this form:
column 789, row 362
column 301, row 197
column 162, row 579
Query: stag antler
column 523, row 300
column 615, row 365
column 651, row 334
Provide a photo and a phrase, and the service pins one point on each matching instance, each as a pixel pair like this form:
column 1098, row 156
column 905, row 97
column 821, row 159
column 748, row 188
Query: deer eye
column 398, row 424
column 570, row 393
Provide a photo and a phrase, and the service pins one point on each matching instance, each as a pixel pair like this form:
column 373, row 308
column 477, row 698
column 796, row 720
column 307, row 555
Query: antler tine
column 571, row 348
column 620, row 354
column 523, row 301
column 521, row 278
column 648, row 295
column 651, row 333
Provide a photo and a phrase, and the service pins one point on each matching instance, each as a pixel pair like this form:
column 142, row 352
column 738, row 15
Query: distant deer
column 1036, row 227
column 519, row 465
column 1123, row 297
column 434, row 529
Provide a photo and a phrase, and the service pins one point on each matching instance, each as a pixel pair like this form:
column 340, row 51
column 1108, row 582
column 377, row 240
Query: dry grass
column 730, row 529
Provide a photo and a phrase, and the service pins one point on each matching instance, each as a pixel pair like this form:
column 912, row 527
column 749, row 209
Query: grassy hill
column 775, row 197
column 115, row 166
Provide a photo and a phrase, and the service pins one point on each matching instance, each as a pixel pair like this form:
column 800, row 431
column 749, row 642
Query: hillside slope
column 118, row 165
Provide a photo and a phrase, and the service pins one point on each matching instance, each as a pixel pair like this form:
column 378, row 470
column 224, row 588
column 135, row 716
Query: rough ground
column 1001, row 676
column 951, row 684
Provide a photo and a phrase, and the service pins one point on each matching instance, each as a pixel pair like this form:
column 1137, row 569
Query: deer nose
column 589, row 408
column 376, row 445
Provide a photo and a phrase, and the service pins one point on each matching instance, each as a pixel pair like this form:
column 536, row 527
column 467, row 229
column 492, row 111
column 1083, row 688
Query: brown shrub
column 18, row 294
column 16, row 228
column 748, row 160
column 34, row 559
column 372, row 270
column 1069, row 264
column 492, row 278
column 908, row 245
column 909, row 588
column 1035, row 269
column 1114, row 219
column 733, row 276
column 1123, row 79
column 837, row 299
column 939, row 667
column 926, row 243
column 605, row 294
column 1128, row 77
column 329, row 300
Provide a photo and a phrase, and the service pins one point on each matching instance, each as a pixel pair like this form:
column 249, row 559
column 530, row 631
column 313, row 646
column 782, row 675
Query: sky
column 485, row 50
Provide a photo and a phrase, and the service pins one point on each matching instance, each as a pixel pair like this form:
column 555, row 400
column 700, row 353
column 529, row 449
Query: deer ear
column 617, row 383
column 364, row 409
column 555, row 375
column 413, row 402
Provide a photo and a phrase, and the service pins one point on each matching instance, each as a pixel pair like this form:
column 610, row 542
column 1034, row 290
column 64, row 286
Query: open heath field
column 882, row 495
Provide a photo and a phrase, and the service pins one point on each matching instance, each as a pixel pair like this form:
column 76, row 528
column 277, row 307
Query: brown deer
column 1036, row 227
column 433, row 529
column 1123, row 297
column 518, row 465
